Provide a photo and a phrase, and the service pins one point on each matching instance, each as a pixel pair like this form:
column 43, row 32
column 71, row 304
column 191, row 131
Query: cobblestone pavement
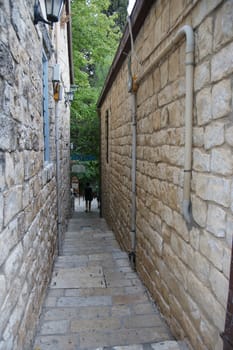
column 95, row 300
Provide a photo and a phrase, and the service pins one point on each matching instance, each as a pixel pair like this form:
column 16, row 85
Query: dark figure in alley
column 88, row 196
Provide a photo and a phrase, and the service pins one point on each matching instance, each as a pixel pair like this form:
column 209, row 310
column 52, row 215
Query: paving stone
column 82, row 277
column 57, row 342
column 82, row 301
column 95, row 300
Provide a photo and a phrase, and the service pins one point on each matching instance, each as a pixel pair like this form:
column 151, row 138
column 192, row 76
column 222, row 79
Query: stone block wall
column 28, row 200
column 186, row 270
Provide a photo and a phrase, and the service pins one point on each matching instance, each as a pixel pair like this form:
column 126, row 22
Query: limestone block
column 8, row 239
column 202, row 10
column 2, row 171
column 195, row 238
column 173, row 66
column 167, row 215
column 214, row 135
column 229, row 134
column 201, row 76
column 203, row 102
column 209, row 333
column 2, row 289
column 165, row 95
column 222, row 161
column 221, row 99
column 1, row 211
column 201, row 160
column 219, row 285
column 204, row 37
column 6, row 64
column 212, row 248
column 227, row 261
column 164, row 73
column 229, row 229
column 199, row 211
column 13, row 263
column 26, row 195
column 10, row 302
column 182, row 249
column 207, row 301
column 222, row 63
column 180, row 226
column 198, row 137
column 12, row 203
column 216, row 220
column 11, row 329
column 9, row 169
column 175, row 265
column 213, row 188
column 201, row 267
column 223, row 30
column 7, row 133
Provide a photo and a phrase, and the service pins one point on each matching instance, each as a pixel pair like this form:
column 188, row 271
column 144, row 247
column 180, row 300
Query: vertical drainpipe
column 132, row 88
column 189, row 77
column 100, row 161
column 58, row 174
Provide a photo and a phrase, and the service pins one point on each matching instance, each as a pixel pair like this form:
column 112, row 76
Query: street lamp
column 53, row 11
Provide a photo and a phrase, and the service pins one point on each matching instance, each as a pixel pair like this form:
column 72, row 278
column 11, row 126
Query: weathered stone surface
column 6, row 63
column 2, row 288
column 222, row 63
column 202, row 75
column 223, row 25
column 212, row 248
column 222, row 161
column 205, row 299
column 221, row 99
column 204, row 111
column 229, row 134
column 7, row 133
column 219, row 285
column 199, row 210
column 27, row 206
column 13, row 264
column 214, row 135
column 216, row 221
column 201, row 161
column 213, row 188
column 204, row 41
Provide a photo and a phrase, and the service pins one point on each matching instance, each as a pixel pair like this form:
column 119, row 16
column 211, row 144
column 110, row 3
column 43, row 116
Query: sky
column 130, row 6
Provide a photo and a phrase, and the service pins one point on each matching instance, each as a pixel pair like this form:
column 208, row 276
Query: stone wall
column 28, row 200
column 186, row 270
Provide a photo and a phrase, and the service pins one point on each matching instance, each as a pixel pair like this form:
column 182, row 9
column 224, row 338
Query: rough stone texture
column 28, row 219
column 184, row 268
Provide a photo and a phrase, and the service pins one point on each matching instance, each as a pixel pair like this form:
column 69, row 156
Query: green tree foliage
column 95, row 39
column 119, row 7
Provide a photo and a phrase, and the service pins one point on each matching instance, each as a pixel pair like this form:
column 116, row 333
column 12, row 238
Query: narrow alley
column 95, row 300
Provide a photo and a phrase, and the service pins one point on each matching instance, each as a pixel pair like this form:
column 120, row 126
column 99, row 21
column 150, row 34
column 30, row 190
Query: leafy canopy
column 95, row 39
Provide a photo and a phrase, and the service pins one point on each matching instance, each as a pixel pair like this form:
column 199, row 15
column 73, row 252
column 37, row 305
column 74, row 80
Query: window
column 45, row 110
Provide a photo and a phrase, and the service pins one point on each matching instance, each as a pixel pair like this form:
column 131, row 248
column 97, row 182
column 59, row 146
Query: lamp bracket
column 38, row 16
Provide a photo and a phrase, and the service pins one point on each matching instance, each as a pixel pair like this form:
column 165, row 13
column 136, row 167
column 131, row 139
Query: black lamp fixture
column 53, row 11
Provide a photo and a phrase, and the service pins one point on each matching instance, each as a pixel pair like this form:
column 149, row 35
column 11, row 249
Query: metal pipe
column 133, row 172
column 189, row 62
column 58, row 174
